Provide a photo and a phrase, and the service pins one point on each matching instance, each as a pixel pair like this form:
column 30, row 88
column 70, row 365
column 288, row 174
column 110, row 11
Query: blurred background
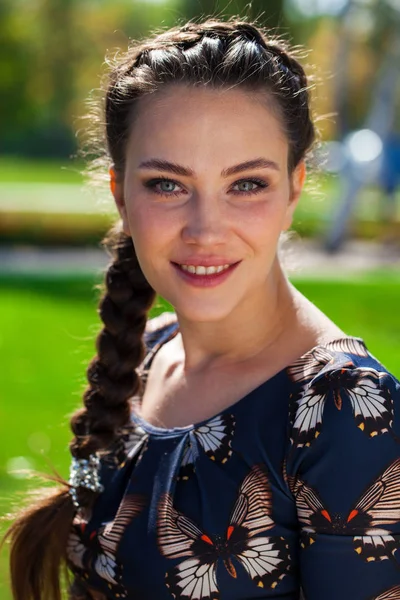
column 345, row 252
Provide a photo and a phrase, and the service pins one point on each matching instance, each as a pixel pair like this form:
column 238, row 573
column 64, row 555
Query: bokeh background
column 345, row 254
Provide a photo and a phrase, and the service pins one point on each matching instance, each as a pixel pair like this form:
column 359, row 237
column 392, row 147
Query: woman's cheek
column 146, row 223
column 262, row 217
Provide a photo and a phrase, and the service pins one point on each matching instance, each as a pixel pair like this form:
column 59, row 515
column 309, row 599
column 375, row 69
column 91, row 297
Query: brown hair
column 213, row 53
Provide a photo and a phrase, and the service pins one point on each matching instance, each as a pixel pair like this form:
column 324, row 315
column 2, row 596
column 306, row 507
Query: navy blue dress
column 292, row 491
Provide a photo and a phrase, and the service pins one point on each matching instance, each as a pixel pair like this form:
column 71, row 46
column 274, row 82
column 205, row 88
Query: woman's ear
column 117, row 190
column 297, row 181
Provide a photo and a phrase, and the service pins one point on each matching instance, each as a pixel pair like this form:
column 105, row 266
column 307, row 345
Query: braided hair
column 211, row 53
column 215, row 54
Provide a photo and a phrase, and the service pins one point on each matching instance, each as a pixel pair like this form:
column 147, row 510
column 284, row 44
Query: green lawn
column 23, row 170
column 47, row 331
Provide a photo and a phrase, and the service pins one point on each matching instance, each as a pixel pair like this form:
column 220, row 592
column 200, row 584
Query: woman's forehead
column 193, row 122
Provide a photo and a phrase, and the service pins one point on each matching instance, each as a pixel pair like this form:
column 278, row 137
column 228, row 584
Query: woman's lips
column 210, row 280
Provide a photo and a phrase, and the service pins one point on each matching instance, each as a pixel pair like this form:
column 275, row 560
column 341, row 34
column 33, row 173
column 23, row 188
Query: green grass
column 47, row 331
column 22, row 170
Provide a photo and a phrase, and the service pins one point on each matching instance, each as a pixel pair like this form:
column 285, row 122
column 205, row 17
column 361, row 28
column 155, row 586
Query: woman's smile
column 205, row 277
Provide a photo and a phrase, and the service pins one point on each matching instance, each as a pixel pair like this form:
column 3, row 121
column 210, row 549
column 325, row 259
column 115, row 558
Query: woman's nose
column 205, row 223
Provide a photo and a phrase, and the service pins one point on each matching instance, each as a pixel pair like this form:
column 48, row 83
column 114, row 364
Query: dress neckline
column 342, row 343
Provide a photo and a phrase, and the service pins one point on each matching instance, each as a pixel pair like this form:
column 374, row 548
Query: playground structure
column 370, row 155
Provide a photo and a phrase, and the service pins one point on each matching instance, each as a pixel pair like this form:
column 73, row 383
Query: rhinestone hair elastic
column 84, row 472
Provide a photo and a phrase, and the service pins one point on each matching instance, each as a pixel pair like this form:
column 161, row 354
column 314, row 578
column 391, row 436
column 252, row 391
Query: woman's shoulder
column 338, row 356
column 344, row 431
column 345, row 374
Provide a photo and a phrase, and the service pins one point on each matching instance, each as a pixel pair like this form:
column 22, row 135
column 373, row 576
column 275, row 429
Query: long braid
column 112, row 376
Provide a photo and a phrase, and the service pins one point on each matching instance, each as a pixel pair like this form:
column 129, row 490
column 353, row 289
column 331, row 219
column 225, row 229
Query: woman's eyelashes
column 164, row 187
column 168, row 187
column 249, row 186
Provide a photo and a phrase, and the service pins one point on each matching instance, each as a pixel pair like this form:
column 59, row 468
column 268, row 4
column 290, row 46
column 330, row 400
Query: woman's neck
column 254, row 327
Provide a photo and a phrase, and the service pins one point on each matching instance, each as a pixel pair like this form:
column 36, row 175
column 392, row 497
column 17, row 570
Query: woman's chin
column 203, row 312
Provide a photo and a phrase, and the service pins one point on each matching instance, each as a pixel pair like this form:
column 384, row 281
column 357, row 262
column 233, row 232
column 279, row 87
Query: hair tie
column 84, row 472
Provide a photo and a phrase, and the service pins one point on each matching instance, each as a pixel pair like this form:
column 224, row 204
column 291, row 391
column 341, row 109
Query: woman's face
column 206, row 184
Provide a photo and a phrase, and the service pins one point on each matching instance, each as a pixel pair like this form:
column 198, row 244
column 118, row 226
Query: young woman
column 242, row 446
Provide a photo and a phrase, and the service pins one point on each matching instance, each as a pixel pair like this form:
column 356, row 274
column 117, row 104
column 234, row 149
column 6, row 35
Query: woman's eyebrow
column 165, row 165
column 256, row 163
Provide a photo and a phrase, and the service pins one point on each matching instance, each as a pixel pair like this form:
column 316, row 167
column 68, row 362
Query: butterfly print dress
column 291, row 493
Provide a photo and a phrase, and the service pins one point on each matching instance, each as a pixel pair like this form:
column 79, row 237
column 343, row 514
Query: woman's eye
column 169, row 187
column 249, row 186
column 166, row 187
column 246, row 186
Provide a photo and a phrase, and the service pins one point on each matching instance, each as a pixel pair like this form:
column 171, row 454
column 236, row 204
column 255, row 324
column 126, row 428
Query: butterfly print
column 107, row 540
column 75, row 552
column 371, row 403
column 266, row 559
column 379, row 546
column 127, row 439
column 214, row 437
column 158, row 331
column 392, row 594
column 378, row 507
column 354, row 346
column 134, row 444
column 76, row 547
column 165, row 319
column 310, row 365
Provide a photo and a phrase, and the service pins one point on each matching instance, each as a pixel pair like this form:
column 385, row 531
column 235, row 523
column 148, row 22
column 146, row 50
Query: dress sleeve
column 343, row 469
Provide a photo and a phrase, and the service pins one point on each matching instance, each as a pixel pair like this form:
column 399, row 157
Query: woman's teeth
column 200, row 270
